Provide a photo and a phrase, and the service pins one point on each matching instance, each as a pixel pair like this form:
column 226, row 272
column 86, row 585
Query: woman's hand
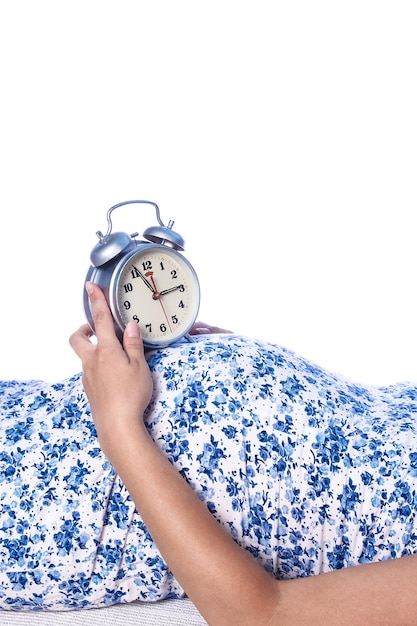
column 201, row 328
column 116, row 379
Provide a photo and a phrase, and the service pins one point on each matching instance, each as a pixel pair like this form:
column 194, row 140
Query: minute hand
column 145, row 280
column 164, row 291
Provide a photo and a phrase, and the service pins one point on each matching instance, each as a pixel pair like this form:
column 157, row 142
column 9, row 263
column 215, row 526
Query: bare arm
column 226, row 584
column 202, row 556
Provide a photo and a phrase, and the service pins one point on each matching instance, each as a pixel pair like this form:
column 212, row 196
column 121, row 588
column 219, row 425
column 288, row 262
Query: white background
column 280, row 136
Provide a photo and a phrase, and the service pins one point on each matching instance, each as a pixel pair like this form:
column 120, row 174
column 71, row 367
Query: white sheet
column 167, row 612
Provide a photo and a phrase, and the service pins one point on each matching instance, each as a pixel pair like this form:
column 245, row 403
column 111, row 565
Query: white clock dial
column 158, row 289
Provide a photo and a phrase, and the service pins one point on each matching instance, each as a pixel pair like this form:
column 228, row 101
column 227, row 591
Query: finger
column 80, row 340
column 102, row 318
column 132, row 342
column 201, row 328
column 198, row 328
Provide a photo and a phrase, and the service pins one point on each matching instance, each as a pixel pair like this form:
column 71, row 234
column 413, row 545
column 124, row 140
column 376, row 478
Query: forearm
column 226, row 584
column 376, row 594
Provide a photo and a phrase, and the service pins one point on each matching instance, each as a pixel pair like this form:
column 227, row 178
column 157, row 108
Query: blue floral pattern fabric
column 308, row 471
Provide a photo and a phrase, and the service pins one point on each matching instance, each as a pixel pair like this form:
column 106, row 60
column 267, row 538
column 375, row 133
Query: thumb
column 132, row 340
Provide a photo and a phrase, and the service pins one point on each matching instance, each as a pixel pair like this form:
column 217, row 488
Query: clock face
column 157, row 288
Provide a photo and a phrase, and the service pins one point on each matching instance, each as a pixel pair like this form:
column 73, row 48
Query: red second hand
column 157, row 296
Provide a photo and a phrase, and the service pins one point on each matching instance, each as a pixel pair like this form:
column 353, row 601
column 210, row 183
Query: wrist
column 121, row 438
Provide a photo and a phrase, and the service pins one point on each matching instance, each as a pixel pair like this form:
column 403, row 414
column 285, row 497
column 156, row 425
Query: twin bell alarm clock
column 145, row 280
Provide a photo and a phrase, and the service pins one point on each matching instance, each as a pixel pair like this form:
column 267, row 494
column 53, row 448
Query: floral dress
column 307, row 470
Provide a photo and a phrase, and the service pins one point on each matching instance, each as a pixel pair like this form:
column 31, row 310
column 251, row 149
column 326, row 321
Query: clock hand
column 157, row 296
column 145, row 280
column 164, row 291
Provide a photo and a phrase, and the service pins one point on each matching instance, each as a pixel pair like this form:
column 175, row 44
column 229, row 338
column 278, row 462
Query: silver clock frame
column 115, row 250
column 107, row 278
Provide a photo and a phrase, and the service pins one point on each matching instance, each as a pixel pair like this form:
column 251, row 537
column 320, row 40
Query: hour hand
column 164, row 291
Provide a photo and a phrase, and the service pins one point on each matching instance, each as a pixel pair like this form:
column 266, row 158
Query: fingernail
column 132, row 329
column 89, row 287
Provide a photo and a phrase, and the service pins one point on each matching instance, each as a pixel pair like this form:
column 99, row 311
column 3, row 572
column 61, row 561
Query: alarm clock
column 145, row 280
